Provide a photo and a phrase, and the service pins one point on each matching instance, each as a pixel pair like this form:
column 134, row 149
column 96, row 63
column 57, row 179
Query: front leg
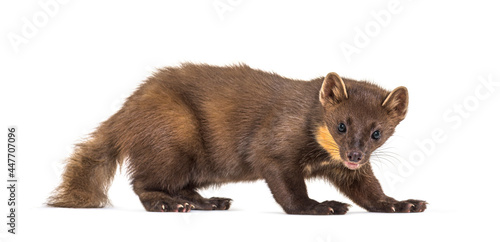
column 363, row 188
column 289, row 190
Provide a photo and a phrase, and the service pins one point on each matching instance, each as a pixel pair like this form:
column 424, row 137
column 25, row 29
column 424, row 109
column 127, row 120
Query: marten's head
column 358, row 118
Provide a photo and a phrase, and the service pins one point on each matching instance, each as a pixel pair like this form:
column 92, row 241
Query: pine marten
column 195, row 126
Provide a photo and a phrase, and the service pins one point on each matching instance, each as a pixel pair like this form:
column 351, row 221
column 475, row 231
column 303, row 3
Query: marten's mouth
column 352, row 165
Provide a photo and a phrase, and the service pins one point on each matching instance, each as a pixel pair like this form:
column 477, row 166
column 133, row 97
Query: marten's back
column 239, row 86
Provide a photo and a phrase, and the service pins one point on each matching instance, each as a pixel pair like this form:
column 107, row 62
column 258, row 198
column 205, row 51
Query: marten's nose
column 354, row 156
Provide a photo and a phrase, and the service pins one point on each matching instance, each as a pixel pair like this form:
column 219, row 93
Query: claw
column 192, row 206
column 180, row 208
column 331, row 211
column 393, row 209
column 214, row 206
column 163, row 207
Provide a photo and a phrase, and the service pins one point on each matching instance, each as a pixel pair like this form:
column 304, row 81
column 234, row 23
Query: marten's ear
column 333, row 89
column 396, row 103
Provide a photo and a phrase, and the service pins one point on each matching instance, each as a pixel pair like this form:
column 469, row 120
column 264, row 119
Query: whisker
column 379, row 161
column 387, row 157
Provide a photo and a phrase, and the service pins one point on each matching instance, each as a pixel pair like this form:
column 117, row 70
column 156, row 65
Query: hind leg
column 165, row 184
column 159, row 195
column 157, row 200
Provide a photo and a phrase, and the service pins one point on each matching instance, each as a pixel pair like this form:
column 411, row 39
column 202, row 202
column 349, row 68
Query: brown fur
column 194, row 126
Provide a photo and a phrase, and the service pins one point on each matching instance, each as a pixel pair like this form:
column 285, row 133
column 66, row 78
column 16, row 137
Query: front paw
column 324, row 208
column 328, row 208
column 335, row 207
column 407, row 206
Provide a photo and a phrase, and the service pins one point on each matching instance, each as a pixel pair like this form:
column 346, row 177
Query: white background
column 78, row 62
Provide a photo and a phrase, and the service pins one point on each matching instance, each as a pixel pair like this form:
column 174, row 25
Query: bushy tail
column 87, row 176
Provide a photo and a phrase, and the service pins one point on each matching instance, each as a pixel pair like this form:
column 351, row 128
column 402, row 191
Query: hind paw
column 163, row 203
column 170, row 206
column 182, row 208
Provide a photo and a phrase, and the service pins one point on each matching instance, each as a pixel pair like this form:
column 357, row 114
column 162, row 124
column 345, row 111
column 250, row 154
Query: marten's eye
column 342, row 128
column 376, row 135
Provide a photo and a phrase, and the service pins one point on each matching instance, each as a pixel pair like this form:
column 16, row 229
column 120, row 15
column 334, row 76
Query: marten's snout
column 355, row 156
